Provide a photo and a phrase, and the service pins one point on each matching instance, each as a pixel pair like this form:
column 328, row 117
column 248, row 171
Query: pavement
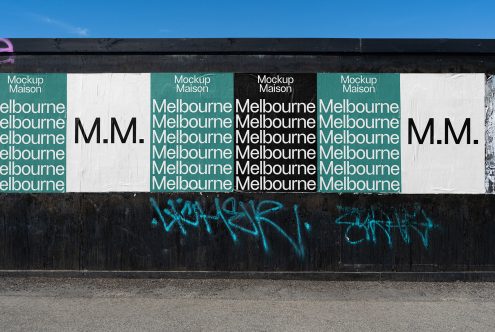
column 89, row 304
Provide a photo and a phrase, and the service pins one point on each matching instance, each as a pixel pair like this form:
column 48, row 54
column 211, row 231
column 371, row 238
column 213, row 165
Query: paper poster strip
column 275, row 132
column 359, row 133
column 33, row 110
column 192, row 132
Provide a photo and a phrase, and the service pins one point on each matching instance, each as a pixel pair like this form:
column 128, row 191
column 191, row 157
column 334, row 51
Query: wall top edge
column 248, row 46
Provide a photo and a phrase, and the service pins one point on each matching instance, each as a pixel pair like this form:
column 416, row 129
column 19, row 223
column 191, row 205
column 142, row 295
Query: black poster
column 275, row 132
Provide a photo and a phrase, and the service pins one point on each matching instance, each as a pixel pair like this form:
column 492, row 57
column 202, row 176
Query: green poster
column 192, row 132
column 359, row 132
column 33, row 111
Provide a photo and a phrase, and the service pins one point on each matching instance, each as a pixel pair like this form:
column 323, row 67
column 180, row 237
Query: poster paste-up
column 245, row 132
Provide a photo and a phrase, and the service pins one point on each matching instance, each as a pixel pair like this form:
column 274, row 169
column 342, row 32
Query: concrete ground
column 33, row 304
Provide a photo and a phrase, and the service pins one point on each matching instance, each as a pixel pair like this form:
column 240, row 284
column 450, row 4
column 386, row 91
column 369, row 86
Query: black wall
column 116, row 231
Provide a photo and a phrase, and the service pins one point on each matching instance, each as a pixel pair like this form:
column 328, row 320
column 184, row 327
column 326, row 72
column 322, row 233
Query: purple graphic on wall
column 6, row 46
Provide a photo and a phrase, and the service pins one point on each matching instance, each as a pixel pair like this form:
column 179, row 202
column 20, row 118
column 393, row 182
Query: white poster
column 107, row 166
column 443, row 167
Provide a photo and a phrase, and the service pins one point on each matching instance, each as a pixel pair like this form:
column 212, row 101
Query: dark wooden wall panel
column 116, row 232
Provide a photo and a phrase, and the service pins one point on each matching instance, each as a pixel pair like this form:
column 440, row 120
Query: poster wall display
column 243, row 132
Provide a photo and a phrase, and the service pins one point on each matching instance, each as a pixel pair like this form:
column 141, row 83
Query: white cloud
column 79, row 31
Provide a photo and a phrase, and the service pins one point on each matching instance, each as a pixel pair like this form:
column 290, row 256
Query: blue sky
column 253, row 18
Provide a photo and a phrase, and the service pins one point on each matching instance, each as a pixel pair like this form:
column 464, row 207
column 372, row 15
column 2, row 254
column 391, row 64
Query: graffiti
column 369, row 225
column 8, row 49
column 239, row 218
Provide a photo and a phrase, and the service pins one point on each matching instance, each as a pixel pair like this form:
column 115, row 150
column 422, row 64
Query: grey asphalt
column 49, row 304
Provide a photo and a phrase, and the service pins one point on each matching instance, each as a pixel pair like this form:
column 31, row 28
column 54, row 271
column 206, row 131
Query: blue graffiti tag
column 364, row 225
column 232, row 214
column 9, row 48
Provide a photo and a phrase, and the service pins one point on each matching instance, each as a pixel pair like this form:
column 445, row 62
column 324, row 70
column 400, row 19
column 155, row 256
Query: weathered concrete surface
column 250, row 305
